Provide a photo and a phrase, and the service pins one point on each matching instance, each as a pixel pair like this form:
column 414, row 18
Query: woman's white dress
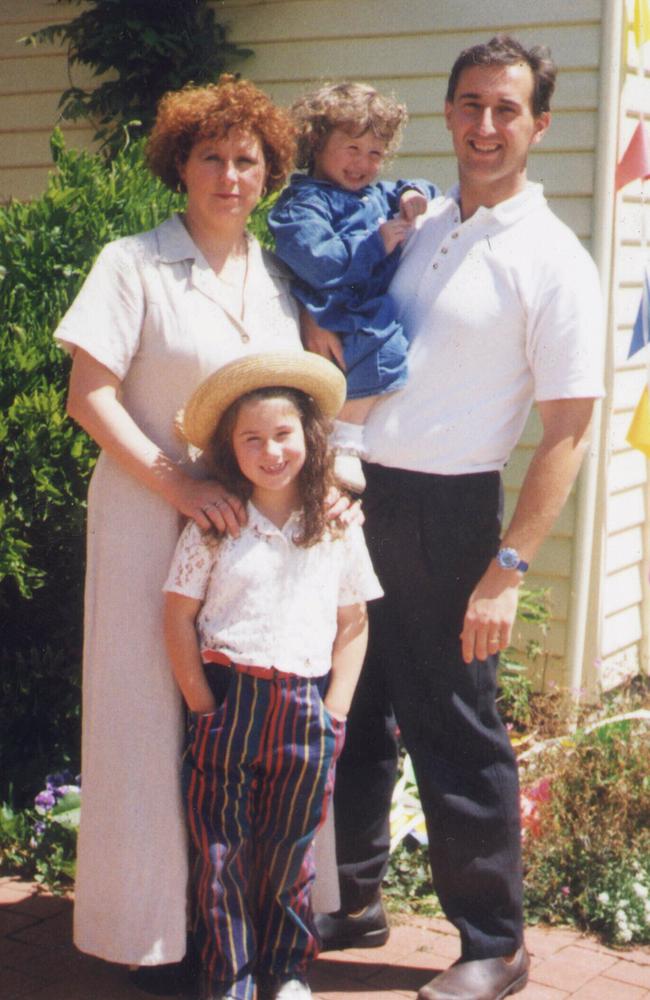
column 149, row 311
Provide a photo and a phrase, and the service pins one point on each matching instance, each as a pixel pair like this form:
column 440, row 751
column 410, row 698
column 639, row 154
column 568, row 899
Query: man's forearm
column 546, row 487
column 492, row 607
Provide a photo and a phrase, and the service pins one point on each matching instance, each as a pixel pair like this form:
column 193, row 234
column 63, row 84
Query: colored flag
column 635, row 161
column 638, row 434
column 641, row 22
column 640, row 333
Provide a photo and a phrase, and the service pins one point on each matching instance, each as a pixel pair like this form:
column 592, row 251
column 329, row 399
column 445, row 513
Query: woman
column 157, row 314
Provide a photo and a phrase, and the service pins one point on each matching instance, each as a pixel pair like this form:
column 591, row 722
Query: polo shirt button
column 435, row 266
column 454, row 236
column 444, row 250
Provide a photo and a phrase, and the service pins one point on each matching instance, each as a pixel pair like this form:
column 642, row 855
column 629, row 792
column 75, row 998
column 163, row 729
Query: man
column 502, row 305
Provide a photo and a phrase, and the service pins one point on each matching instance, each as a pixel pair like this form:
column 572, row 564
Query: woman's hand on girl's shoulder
column 341, row 507
column 210, row 505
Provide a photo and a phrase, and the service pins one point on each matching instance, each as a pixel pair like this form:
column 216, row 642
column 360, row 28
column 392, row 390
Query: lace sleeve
column 193, row 562
column 358, row 581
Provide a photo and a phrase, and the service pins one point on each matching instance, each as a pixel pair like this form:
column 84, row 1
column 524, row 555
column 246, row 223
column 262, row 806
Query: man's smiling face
column 493, row 126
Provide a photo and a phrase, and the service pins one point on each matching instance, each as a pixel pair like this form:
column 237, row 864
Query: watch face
column 508, row 558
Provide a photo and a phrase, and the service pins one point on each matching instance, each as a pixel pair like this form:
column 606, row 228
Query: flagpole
column 585, row 625
column 642, row 34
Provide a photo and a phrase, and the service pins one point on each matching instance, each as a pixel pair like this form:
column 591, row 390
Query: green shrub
column 589, row 863
column 46, row 249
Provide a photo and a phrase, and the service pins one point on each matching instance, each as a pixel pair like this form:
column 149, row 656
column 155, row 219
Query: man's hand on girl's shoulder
column 341, row 507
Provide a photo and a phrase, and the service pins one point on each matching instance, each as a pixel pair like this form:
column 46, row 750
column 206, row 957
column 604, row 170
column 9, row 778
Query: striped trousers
column 258, row 776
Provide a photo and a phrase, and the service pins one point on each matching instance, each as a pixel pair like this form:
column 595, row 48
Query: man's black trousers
column 431, row 538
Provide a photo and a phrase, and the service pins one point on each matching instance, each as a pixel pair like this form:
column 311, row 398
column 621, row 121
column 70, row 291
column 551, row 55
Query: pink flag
column 635, row 162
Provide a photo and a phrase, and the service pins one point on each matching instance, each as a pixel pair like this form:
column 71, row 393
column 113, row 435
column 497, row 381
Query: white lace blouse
column 267, row 601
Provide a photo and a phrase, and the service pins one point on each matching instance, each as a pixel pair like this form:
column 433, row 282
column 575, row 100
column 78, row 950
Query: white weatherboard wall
column 31, row 82
column 408, row 48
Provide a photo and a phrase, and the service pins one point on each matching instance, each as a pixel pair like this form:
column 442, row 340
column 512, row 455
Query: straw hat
column 311, row 373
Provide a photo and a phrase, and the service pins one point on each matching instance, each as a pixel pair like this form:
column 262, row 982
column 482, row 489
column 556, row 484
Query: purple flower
column 45, row 799
column 39, row 827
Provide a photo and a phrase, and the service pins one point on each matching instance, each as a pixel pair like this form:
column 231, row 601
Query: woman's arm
column 347, row 658
column 184, row 652
column 93, row 402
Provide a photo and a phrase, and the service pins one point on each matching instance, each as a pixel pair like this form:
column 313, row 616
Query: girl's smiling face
column 269, row 445
column 350, row 161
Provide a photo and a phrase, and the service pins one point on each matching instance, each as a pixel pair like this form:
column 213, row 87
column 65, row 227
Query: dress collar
column 263, row 269
column 263, row 526
column 175, row 244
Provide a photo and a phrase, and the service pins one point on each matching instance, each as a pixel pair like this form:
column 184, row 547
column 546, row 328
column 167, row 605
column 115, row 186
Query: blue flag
column 640, row 333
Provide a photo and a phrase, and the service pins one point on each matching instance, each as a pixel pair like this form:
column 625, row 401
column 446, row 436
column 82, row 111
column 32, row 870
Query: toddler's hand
column 411, row 204
column 394, row 232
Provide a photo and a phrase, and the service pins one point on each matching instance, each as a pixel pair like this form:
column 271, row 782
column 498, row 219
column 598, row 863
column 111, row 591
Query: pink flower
column 529, row 805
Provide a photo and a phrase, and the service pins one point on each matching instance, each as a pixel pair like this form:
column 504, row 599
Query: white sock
column 348, row 437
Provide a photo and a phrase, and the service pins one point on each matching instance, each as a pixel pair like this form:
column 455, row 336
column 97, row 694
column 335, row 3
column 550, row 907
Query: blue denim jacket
column 330, row 239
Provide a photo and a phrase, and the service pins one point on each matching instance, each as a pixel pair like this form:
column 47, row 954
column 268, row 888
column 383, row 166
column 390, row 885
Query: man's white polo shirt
column 501, row 309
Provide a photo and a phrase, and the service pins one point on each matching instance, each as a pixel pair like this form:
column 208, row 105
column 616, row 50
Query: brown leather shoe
column 485, row 979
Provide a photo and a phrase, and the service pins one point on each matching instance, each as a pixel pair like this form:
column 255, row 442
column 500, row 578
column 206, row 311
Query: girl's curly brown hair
column 353, row 107
column 187, row 116
column 315, row 478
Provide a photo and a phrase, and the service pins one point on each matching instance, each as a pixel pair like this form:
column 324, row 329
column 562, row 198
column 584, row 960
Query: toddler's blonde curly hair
column 353, row 107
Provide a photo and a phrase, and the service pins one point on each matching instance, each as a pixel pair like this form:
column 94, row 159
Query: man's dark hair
column 503, row 50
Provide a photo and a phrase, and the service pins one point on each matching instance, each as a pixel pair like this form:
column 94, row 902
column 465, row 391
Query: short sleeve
column 358, row 581
column 192, row 563
column 106, row 317
column 566, row 328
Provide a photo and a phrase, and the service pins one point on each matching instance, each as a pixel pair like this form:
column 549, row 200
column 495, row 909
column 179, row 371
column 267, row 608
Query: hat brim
column 310, row 373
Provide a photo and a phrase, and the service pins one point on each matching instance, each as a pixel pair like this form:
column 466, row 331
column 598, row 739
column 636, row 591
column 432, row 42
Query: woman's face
column 224, row 178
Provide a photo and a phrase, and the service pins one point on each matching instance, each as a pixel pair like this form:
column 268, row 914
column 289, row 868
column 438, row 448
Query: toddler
column 341, row 232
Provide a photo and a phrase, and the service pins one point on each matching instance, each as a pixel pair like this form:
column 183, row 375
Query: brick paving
column 39, row 962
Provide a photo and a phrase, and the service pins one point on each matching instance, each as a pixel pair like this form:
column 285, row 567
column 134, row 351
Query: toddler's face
column 269, row 443
column 350, row 161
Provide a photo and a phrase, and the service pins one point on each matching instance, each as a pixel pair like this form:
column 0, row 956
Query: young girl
column 266, row 633
column 335, row 229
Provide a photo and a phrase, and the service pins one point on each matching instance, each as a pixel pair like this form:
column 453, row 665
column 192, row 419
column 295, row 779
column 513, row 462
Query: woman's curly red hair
column 191, row 114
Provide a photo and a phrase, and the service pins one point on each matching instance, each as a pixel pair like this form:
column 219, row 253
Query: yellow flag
column 641, row 23
column 638, row 434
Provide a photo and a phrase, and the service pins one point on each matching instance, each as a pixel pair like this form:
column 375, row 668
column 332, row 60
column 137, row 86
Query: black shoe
column 159, row 980
column 174, row 979
column 366, row 929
